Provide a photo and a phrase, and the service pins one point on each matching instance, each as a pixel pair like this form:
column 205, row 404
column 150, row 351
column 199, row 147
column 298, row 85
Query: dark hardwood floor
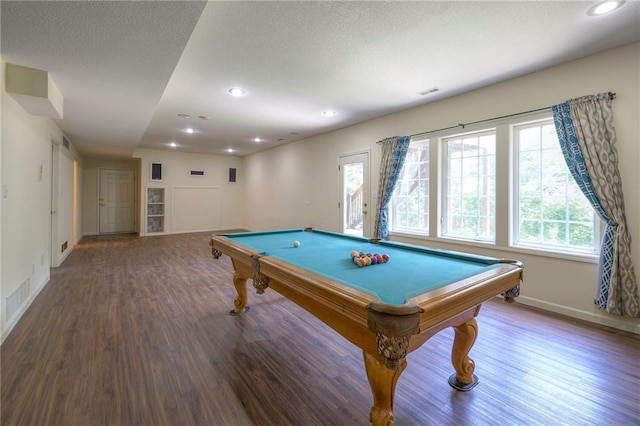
column 136, row 331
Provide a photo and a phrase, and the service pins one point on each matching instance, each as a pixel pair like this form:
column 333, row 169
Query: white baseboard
column 195, row 231
column 597, row 317
column 22, row 309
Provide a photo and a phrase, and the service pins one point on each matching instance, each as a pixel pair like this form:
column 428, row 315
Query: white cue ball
column 296, row 243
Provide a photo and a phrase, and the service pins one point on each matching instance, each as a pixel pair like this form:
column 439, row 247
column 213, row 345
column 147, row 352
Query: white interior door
column 354, row 194
column 116, row 201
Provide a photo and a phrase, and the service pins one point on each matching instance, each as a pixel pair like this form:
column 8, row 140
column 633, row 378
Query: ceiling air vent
column 428, row 91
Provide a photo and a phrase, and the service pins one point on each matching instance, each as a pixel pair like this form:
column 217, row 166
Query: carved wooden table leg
column 240, row 302
column 465, row 337
column 383, row 385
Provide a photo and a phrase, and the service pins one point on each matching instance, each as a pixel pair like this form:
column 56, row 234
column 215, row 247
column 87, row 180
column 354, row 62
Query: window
column 470, row 186
column 506, row 185
column 550, row 211
column 409, row 205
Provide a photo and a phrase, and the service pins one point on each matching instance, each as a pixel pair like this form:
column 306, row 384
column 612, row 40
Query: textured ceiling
column 126, row 69
column 111, row 61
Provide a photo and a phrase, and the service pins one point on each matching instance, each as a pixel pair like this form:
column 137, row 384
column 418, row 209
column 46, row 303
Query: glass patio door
column 354, row 204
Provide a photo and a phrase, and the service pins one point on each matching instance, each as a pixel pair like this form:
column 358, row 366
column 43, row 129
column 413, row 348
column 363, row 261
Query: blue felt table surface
column 411, row 270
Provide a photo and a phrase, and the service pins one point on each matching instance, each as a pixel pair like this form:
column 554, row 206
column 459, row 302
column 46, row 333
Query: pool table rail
column 460, row 296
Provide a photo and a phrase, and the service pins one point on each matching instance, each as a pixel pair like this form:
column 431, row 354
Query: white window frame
column 515, row 201
column 392, row 212
column 444, row 172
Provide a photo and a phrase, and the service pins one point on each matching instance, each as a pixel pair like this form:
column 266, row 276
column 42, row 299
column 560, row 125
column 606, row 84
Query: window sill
column 421, row 239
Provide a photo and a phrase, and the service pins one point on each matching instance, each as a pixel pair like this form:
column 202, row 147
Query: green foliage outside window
column 552, row 210
column 410, row 203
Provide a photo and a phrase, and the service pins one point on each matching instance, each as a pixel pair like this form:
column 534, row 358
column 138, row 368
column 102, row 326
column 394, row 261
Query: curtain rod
column 612, row 95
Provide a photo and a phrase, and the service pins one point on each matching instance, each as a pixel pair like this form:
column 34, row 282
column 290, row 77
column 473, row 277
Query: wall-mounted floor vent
column 17, row 298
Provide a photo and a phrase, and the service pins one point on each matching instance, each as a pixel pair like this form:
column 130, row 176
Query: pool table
column 387, row 309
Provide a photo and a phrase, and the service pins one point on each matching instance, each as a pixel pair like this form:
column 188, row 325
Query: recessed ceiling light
column 230, row 150
column 329, row 113
column 605, row 7
column 173, row 144
column 204, row 117
column 236, row 91
column 189, row 130
column 257, row 140
column 184, row 116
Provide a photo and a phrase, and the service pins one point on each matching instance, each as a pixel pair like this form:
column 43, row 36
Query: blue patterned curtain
column 394, row 152
column 587, row 139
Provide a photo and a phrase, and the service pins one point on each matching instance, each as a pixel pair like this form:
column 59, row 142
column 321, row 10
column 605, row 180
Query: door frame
column 366, row 225
column 134, row 190
column 54, row 254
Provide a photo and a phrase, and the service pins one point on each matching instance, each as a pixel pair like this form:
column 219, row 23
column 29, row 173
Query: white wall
column 223, row 212
column 281, row 180
column 25, row 219
column 297, row 185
